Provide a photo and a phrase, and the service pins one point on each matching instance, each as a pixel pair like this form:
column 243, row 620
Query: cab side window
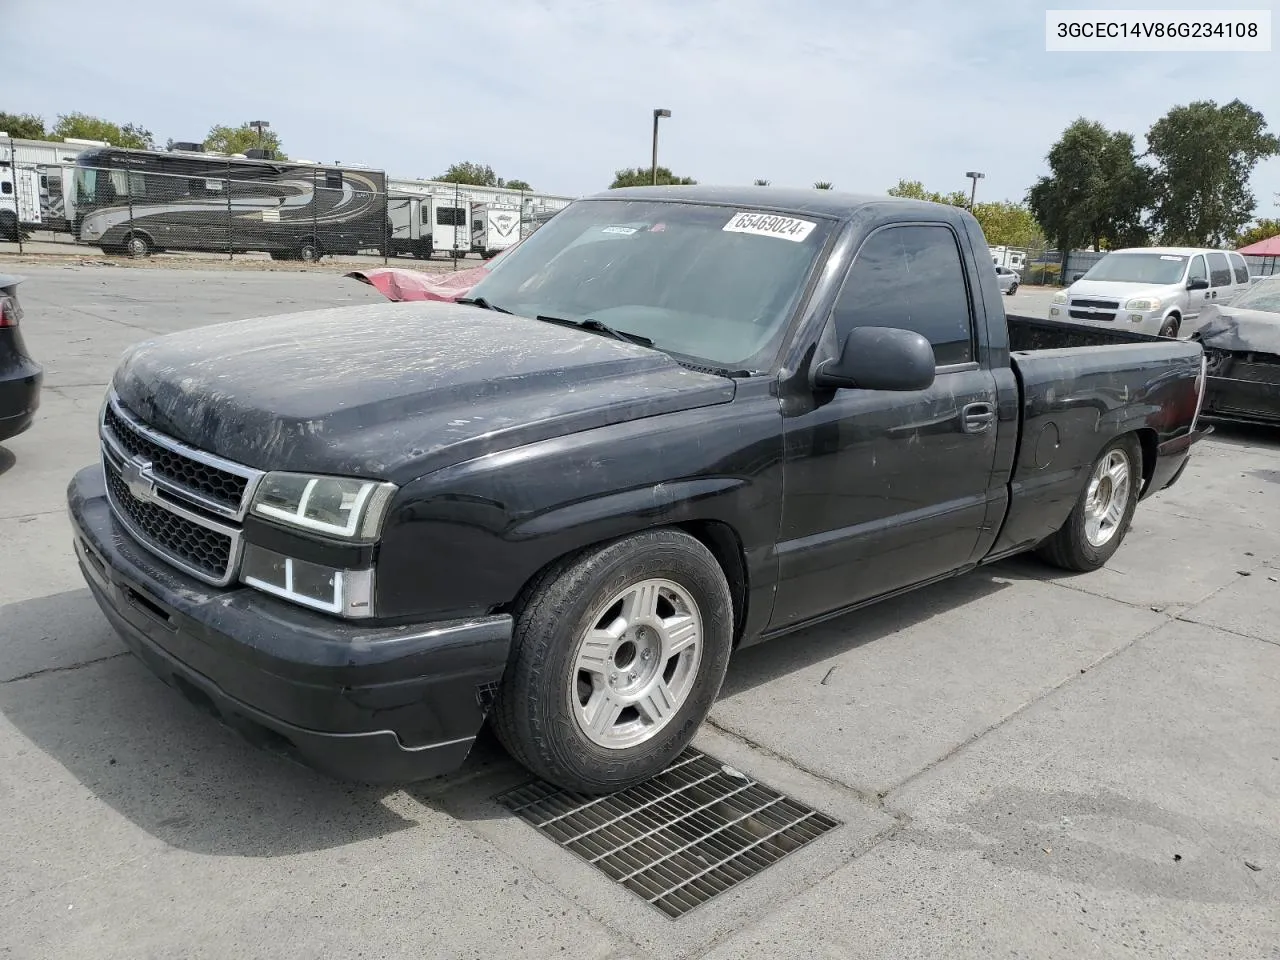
column 910, row 277
column 1241, row 268
column 1219, row 270
column 1197, row 271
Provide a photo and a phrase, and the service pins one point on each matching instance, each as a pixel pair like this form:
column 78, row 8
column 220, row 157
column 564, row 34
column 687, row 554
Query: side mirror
column 1199, row 283
column 1076, row 276
column 879, row 358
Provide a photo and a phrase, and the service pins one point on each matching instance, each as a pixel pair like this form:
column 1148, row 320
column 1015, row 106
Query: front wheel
column 617, row 656
column 1170, row 328
column 309, row 251
column 1101, row 517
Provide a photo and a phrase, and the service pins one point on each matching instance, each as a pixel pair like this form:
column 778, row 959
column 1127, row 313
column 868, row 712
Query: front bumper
column 1249, row 401
column 364, row 703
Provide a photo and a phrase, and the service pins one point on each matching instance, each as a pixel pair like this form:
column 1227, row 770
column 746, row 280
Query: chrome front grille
column 1087, row 309
column 182, row 504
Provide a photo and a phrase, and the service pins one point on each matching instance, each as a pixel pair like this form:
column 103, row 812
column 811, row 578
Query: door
column 888, row 489
column 1221, row 280
column 1241, row 271
column 1197, row 300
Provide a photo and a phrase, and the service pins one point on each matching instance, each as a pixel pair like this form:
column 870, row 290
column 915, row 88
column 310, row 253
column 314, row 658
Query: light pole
column 975, row 176
column 657, row 115
column 258, row 125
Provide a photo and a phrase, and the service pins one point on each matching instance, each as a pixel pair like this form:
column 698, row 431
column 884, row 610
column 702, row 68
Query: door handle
column 977, row 417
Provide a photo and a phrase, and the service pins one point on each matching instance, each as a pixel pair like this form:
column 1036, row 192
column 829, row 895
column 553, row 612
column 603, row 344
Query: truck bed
column 1032, row 333
column 1075, row 383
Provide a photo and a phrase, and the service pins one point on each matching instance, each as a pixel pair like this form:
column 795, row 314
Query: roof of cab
column 823, row 203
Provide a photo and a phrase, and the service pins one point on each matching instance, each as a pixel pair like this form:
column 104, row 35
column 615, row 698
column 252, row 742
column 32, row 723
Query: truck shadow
column 97, row 718
column 764, row 662
column 1248, row 435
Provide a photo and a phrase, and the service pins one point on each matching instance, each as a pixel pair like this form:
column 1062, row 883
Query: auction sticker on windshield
column 770, row 225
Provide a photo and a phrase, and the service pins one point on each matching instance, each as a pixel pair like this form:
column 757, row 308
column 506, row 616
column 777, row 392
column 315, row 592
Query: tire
column 309, row 251
column 1013, row 290
column 137, row 246
column 543, row 712
column 1072, row 547
column 1170, row 327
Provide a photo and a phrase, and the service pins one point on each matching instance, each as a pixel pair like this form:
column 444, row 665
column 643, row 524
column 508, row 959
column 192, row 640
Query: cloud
column 561, row 92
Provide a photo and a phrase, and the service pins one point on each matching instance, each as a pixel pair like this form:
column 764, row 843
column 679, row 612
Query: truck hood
column 1118, row 290
column 394, row 391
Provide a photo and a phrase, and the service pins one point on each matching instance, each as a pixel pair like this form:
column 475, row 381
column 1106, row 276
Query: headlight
column 1059, row 298
column 348, row 593
column 1143, row 303
column 335, row 506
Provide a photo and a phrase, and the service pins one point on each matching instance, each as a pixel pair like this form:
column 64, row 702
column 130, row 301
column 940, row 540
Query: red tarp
column 396, row 283
column 1263, row 248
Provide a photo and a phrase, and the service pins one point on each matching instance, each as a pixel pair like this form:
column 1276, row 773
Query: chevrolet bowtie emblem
column 137, row 477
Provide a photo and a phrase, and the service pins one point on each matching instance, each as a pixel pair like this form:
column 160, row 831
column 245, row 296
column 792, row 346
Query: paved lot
column 1027, row 764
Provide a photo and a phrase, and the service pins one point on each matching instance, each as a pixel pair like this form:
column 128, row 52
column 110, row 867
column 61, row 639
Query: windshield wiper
column 482, row 303
column 598, row 327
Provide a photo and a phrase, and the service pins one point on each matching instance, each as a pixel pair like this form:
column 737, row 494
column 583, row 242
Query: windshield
column 1263, row 295
column 715, row 284
column 1153, row 268
column 86, row 186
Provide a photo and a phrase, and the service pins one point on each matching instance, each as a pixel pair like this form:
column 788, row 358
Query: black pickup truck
column 674, row 422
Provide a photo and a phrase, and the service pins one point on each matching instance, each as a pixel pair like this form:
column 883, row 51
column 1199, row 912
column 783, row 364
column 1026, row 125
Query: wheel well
column 1147, row 438
column 720, row 538
column 723, row 542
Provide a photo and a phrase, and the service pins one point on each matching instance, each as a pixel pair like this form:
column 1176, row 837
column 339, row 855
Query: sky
column 561, row 93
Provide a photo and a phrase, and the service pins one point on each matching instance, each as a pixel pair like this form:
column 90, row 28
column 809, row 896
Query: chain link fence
column 228, row 207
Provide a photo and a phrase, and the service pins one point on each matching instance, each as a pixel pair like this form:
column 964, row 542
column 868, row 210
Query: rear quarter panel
column 1076, row 400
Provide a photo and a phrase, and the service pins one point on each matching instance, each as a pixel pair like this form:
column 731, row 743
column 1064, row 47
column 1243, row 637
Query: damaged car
column 1242, row 353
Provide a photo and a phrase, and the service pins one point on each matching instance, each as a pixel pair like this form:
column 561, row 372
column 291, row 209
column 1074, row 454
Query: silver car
column 1008, row 280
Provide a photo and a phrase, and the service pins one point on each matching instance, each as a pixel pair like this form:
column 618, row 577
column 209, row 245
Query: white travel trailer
column 1015, row 260
column 494, row 227
column 450, row 226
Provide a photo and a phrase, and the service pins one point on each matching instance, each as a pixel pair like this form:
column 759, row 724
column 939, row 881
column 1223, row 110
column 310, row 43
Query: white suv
column 1160, row 290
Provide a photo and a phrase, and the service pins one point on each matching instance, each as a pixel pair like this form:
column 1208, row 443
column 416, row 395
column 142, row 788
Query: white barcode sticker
column 770, row 225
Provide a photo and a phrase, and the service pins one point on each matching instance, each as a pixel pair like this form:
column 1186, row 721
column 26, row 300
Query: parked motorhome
column 140, row 201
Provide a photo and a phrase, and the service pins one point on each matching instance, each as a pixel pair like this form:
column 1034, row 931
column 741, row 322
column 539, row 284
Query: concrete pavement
column 1026, row 763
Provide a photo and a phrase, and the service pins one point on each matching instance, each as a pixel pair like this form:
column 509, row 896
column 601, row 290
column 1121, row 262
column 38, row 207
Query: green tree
column 24, row 126
column 223, row 139
column 1257, row 232
column 914, row 190
column 762, row 183
column 474, row 174
column 643, row 177
column 479, row 175
column 81, row 126
column 1007, row 224
column 824, row 185
column 1096, row 192
column 1206, row 154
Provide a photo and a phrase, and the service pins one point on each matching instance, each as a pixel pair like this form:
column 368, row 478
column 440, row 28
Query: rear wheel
column 1101, row 517
column 309, row 251
column 137, row 245
column 617, row 656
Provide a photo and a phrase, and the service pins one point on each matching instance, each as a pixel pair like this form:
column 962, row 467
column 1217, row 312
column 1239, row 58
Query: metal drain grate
column 687, row 835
